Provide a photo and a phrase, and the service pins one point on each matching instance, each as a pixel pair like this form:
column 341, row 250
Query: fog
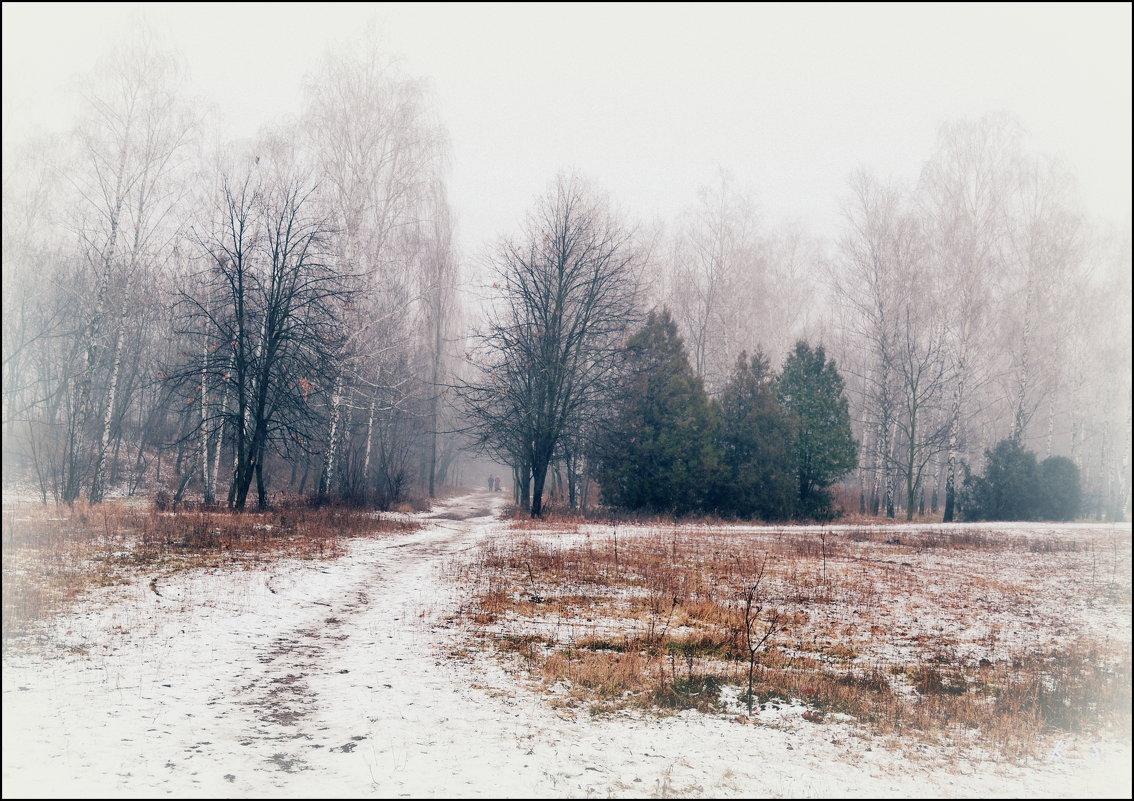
column 566, row 399
column 648, row 100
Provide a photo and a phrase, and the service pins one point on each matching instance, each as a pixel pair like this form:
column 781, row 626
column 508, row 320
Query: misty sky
column 648, row 101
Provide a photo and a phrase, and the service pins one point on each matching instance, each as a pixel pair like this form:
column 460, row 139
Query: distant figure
column 497, row 482
column 491, row 482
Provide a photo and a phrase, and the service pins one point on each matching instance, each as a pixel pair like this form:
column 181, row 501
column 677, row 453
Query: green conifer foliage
column 660, row 455
column 755, row 440
column 1059, row 481
column 1014, row 487
column 824, row 450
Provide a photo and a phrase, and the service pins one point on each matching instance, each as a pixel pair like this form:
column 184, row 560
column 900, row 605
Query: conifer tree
column 823, row 448
column 660, row 454
column 1009, row 488
column 758, row 477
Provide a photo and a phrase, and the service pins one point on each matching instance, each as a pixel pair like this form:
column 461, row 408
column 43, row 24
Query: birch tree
column 863, row 281
column 277, row 325
column 380, row 152
column 130, row 143
column 963, row 189
column 716, row 279
column 1044, row 254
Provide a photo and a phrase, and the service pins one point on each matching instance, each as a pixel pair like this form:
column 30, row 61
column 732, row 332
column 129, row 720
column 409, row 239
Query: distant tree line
column 563, row 379
column 944, row 310
column 220, row 320
column 975, row 304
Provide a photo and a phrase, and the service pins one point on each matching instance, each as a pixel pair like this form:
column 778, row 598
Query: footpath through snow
column 332, row 679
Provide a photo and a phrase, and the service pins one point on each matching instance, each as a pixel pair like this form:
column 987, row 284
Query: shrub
column 1060, row 496
column 1009, row 487
column 1014, row 487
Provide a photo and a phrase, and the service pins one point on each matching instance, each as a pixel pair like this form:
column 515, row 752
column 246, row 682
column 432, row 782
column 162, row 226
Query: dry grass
column 974, row 634
column 52, row 555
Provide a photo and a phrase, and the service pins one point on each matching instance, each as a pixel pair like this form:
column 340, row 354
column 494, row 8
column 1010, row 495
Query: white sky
column 648, row 100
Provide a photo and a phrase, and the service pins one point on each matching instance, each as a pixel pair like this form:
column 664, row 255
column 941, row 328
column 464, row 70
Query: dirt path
column 335, row 679
column 309, row 679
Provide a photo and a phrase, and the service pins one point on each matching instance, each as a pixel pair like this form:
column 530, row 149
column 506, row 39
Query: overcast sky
column 648, row 100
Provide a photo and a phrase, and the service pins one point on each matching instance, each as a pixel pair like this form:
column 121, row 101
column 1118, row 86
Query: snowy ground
column 335, row 679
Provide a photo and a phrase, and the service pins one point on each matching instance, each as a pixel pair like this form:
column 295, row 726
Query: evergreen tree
column 659, row 455
column 755, row 440
column 824, row 450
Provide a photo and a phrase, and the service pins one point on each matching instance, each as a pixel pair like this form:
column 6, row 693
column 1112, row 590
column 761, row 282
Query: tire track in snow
column 281, row 694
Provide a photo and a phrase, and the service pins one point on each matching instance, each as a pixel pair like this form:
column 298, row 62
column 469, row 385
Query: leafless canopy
column 568, row 291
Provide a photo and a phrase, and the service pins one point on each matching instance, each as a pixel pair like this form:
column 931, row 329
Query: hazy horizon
column 647, row 101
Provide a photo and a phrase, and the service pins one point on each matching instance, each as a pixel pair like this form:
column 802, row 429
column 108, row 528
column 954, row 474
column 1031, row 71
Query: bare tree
column 1044, row 255
column 130, row 144
column 963, row 190
column 716, row 279
column 568, row 294
column 754, row 598
column 863, row 281
column 273, row 333
column 898, row 305
column 438, row 290
column 921, row 363
column 381, row 153
column 733, row 285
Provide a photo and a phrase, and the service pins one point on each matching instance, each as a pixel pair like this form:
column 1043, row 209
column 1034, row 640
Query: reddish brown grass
column 52, row 555
column 1012, row 634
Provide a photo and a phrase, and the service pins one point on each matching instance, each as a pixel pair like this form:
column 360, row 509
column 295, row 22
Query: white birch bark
column 97, row 489
column 329, row 463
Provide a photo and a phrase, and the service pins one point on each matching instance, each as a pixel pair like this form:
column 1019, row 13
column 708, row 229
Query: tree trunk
column 209, row 493
column 97, row 480
column 75, row 443
column 327, row 478
column 572, row 480
column 369, row 445
column 911, row 453
column 261, row 487
column 539, row 475
column 179, row 494
column 434, row 405
column 218, row 439
column 522, row 476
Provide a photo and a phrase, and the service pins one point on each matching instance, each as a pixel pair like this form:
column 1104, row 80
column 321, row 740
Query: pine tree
column 823, row 448
column 758, row 479
column 659, row 455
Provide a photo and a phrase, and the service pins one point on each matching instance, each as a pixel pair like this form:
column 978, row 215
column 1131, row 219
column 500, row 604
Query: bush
column 1015, row 487
column 1009, row 487
column 1059, row 482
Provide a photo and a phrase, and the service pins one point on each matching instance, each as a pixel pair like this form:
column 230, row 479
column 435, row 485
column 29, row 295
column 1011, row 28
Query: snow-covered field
column 338, row 679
